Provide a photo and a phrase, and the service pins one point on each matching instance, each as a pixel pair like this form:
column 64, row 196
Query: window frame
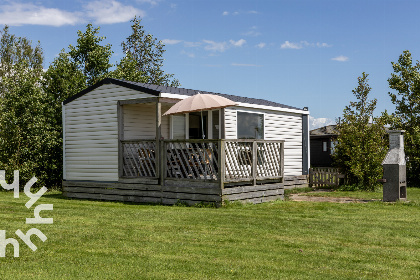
column 253, row 113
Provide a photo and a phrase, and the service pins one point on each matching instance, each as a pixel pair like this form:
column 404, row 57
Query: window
column 178, row 127
column 324, row 146
column 197, row 125
column 250, row 125
column 216, row 124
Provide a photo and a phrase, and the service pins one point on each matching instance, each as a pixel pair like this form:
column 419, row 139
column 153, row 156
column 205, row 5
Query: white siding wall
column 140, row 121
column 91, row 133
column 230, row 123
column 277, row 126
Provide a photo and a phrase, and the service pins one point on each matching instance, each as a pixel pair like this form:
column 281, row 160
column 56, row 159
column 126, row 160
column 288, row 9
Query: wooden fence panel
column 325, row 177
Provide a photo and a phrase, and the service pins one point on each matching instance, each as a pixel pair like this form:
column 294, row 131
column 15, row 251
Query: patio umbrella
column 199, row 103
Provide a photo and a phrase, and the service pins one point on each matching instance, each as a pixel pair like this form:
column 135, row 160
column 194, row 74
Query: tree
column 62, row 80
column 17, row 50
column 90, row 56
column 26, row 134
column 361, row 145
column 127, row 70
column 406, row 82
column 84, row 65
column 144, row 56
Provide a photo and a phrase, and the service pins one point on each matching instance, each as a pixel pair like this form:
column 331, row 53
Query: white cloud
column 253, row 31
column 238, row 43
column 110, row 11
column 302, row 44
column 16, row 14
column 340, row 58
column 236, row 13
column 208, row 45
column 315, row 123
column 289, row 45
column 222, row 46
column 215, row 46
column 171, row 41
column 151, row 2
column 261, row 45
column 323, row 45
column 100, row 12
column 245, row 65
column 192, row 44
column 191, row 55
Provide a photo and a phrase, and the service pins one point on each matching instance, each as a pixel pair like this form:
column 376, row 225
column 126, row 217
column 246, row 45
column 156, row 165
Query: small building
column 322, row 145
column 118, row 146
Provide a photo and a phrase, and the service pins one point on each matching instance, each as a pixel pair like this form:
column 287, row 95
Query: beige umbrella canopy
column 199, row 102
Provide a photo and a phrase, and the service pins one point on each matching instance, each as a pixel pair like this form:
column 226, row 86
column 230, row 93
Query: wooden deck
column 192, row 171
column 174, row 191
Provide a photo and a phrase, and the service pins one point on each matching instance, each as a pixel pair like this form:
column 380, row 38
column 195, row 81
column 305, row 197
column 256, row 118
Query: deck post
column 63, row 117
column 158, row 136
column 162, row 162
column 282, row 161
column 305, row 144
column 222, row 123
column 120, row 117
column 254, row 162
column 222, row 162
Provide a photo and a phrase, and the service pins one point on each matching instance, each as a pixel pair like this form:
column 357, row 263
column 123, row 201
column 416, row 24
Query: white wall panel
column 140, row 121
column 277, row 126
column 91, row 132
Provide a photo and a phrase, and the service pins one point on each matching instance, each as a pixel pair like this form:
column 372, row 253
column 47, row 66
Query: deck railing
column 192, row 159
column 139, row 158
column 253, row 160
column 224, row 160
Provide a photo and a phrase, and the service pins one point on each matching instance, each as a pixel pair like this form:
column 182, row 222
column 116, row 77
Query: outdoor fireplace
column 395, row 186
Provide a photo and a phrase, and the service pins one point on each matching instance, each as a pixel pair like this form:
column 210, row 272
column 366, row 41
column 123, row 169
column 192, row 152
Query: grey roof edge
column 156, row 90
column 328, row 130
column 111, row 81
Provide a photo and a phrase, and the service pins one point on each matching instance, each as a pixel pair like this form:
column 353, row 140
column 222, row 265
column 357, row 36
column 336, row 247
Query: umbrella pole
column 202, row 125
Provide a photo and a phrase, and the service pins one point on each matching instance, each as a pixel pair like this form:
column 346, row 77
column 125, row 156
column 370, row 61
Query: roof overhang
column 107, row 81
column 162, row 91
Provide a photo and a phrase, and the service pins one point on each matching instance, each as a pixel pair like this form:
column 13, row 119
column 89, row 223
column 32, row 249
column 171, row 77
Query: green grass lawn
column 279, row 240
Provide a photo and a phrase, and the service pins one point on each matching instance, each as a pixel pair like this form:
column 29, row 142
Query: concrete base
column 395, row 187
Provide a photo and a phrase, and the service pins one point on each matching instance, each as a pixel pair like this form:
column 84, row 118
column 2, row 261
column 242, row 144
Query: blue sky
column 299, row 53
